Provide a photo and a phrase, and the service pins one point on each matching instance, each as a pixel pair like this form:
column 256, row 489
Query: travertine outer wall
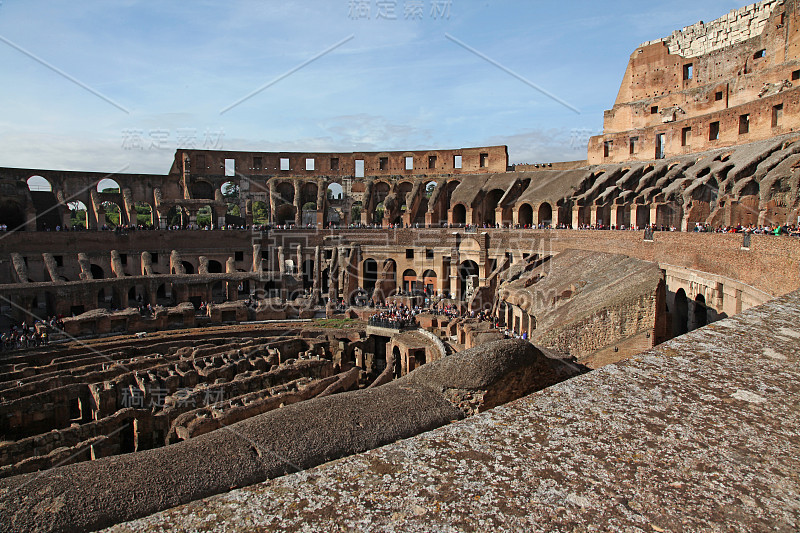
column 734, row 28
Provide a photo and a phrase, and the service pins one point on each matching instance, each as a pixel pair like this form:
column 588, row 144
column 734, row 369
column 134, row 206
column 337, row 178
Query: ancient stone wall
column 725, row 83
column 62, row 405
column 737, row 26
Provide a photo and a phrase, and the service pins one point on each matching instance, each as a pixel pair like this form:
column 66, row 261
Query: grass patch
column 337, row 323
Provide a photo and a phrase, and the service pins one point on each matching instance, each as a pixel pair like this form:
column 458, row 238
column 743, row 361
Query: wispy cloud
column 396, row 84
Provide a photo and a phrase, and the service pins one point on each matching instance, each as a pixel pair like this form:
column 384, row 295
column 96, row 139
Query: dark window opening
column 428, row 253
column 334, row 163
column 328, row 254
column 718, row 96
column 688, row 71
column 654, row 110
column 409, row 253
column 153, row 257
column 238, row 256
column 744, row 124
column 432, row 161
column 633, row 144
column 257, row 163
column 660, row 153
column 484, row 160
column 796, row 75
column 384, row 163
column 123, row 258
column 713, row 131
column 760, row 54
column 777, row 115
column 59, row 259
column 607, row 147
column 686, row 136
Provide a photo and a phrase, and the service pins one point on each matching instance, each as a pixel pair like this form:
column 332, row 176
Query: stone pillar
column 50, row 265
column 298, row 205
column 176, row 263
column 92, row 211
column 152, row 291
column 535, row 217
column 202, row 265
column 273, row 204
column 248, row 213
column 613, row 216
column 147, row 264
column 257, row 258
column 632, row 215
column 86, row 267
column 116, row 264
column 317, row 287
column 299, row 256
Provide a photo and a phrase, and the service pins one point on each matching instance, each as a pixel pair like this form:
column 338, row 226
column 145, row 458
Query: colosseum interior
column 230, row 329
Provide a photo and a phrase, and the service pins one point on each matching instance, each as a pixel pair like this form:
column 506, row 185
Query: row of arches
column 411, row 281
column 300, row 202
column 38, row 183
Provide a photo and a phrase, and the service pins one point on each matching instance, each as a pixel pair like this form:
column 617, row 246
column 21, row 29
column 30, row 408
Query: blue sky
column 395, row 84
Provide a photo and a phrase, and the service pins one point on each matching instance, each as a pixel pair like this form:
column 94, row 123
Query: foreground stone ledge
column 699, row 434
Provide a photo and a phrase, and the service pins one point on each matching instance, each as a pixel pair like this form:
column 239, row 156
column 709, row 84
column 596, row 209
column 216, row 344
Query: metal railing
column 399, row 325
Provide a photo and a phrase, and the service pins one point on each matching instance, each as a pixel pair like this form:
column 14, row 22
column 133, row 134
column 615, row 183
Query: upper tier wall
column 733, row 28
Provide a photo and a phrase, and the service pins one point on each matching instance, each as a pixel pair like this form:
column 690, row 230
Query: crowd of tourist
column 791, row 230
column 30, row 336
column 124, row 229
column 395, row 316
column 446, row 309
